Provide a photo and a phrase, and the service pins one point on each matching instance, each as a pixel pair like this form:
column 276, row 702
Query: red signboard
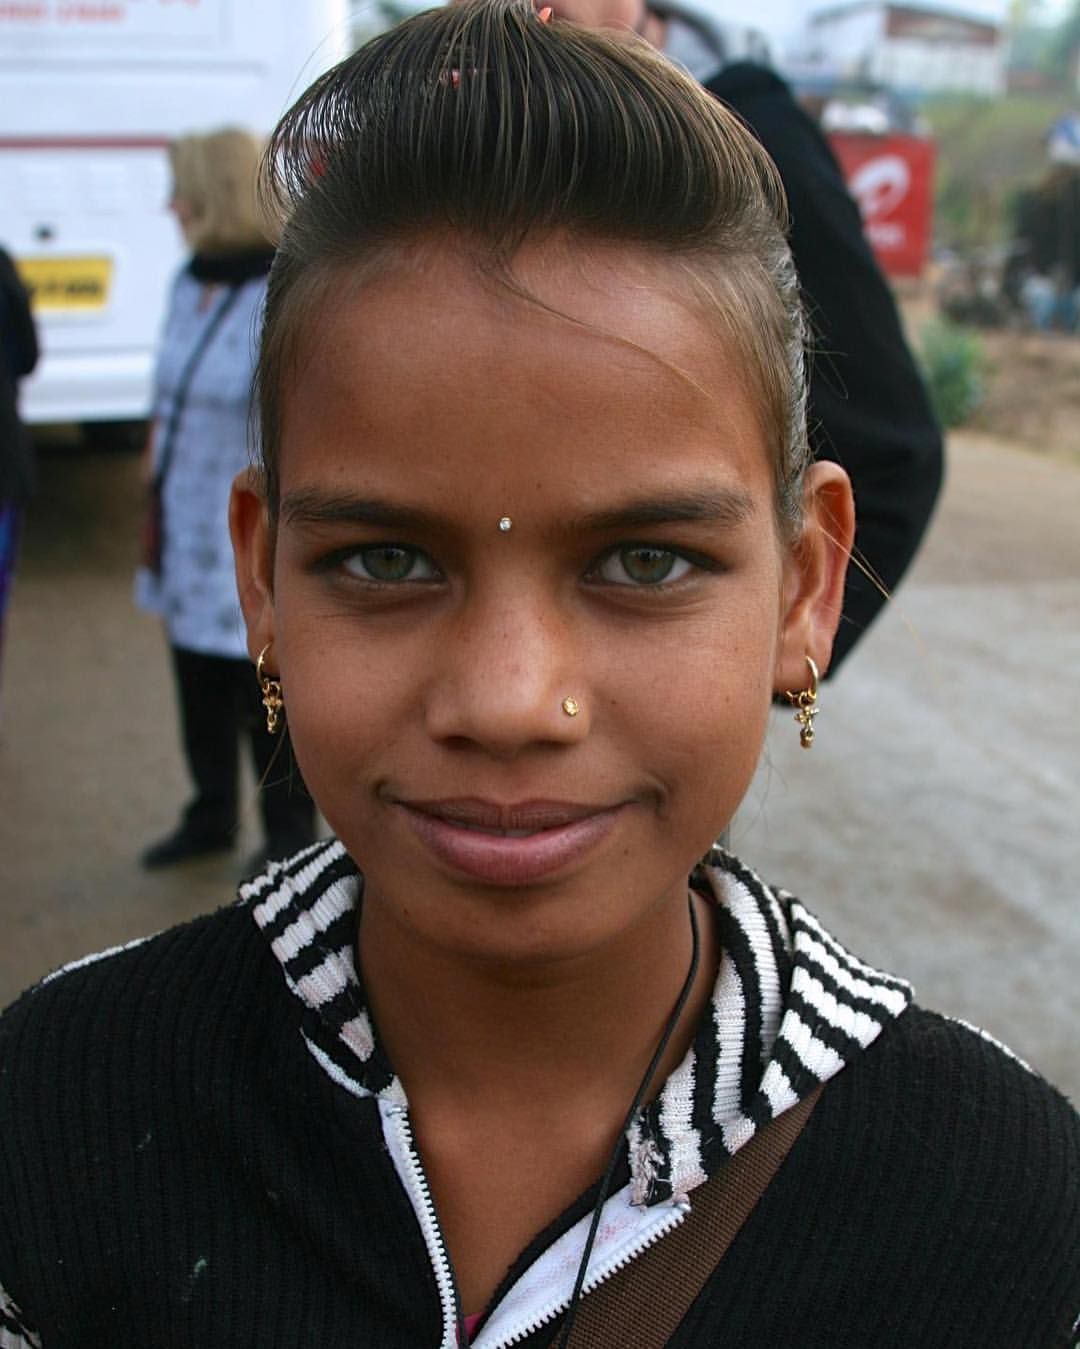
column 892, row 179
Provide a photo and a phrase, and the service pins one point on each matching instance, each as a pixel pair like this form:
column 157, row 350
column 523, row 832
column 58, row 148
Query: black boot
column 184, row 844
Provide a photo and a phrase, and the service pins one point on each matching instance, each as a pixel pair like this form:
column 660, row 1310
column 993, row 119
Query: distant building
column 914, row 49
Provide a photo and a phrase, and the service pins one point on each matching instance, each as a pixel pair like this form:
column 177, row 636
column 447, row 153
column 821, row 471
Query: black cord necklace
column 635, row 1105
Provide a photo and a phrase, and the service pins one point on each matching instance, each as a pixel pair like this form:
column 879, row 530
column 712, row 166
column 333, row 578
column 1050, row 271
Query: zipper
column 656, row 1224
column 411, row 1170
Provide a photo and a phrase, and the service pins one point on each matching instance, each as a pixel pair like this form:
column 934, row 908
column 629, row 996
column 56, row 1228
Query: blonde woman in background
column 201, row 440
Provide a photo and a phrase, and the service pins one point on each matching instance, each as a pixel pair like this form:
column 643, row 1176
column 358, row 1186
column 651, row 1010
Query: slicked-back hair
column 482, row 122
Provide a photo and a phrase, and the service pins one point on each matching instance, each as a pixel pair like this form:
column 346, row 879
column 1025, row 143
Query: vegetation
column 988, row 152
column 1046, row 47
column 954, row 363
column 991, row 150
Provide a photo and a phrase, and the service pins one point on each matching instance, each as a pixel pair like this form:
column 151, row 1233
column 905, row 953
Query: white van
column 91, row 93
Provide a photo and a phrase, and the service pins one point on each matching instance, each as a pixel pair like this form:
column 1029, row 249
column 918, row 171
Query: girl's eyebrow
column 309, row 506
column 717, row 506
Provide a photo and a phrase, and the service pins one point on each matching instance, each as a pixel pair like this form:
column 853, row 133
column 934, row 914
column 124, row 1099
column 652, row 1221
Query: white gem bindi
column 506, row 524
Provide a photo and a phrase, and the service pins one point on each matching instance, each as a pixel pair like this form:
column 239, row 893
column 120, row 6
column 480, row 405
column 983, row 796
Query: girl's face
column 488, row 508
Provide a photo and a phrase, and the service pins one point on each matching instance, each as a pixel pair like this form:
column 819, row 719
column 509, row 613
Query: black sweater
column 178, row 1169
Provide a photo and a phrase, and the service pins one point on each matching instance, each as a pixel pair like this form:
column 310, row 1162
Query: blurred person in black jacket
column 18, row 356
column 1048, row 232
column 869, row 409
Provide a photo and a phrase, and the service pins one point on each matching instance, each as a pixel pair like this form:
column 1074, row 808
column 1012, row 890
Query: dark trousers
column 220, row 706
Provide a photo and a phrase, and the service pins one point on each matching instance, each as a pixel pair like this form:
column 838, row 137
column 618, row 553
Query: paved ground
column 934, row 825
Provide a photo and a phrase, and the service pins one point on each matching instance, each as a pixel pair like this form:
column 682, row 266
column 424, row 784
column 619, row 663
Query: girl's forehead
column 561, row 269
column 430, row 369
column 592, row 311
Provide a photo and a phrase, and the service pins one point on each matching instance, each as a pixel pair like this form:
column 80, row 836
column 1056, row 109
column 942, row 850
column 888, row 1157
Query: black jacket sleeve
column 18, row 356
column 20, row 338
column 869, row 409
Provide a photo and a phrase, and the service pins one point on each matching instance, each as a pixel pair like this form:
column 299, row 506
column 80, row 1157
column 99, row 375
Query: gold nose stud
column 571, row 707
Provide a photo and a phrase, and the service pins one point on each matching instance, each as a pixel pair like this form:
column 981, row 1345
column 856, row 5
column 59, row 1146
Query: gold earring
column 571, row 706
column 270, row 687
column 805, row 701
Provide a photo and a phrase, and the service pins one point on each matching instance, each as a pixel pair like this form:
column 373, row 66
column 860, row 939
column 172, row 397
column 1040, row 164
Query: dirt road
column 935, row 825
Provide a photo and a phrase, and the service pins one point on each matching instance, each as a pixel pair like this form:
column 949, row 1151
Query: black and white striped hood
column 789, row 1009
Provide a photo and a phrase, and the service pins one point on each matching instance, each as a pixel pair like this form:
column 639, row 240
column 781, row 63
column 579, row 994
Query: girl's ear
column 814, row 576
column 249, row 525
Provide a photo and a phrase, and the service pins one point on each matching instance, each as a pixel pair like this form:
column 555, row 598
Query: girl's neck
column 459, row 1031
column 519, row 1080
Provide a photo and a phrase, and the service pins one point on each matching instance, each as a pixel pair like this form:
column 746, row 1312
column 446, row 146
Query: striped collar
column 789, row 1009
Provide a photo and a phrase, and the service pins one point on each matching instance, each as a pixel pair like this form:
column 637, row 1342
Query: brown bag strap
column 645, row 1302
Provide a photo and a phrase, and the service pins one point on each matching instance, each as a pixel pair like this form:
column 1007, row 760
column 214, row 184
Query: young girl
column 533, row 546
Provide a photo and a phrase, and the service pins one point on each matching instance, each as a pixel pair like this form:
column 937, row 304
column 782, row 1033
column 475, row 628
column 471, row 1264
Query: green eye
column 389, row 562
column 647, row 566
column 641, row 565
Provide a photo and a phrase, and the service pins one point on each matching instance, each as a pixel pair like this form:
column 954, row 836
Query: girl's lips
column 530, row 853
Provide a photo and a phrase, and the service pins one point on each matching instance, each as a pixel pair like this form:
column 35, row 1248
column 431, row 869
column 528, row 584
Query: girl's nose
column 509, row 679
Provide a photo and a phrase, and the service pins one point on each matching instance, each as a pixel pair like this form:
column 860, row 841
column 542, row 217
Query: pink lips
column 471, row 836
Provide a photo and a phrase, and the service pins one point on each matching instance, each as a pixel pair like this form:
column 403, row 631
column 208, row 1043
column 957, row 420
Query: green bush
column 954, row 363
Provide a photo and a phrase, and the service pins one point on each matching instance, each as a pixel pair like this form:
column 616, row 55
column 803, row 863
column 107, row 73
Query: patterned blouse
column 211, row 442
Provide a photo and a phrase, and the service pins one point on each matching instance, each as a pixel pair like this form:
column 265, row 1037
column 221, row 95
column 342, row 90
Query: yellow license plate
column 67, row 283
